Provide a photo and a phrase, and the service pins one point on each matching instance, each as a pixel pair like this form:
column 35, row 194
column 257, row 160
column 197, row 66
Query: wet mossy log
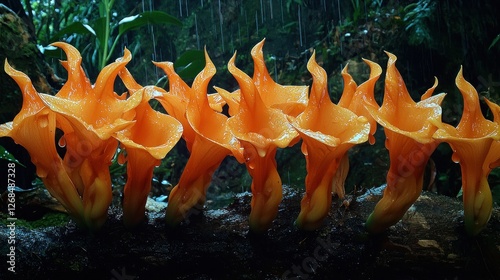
column 429, row 243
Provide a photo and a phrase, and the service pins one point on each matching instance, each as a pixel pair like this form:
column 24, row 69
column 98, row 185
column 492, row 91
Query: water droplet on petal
column 251, row 165
column 122, row 158
column 41, row 172
column 62, row 142
column 43, row 121
column 262, row 152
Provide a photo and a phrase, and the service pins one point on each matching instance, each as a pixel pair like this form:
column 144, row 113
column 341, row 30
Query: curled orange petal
column 290, row 99
column 232, row 99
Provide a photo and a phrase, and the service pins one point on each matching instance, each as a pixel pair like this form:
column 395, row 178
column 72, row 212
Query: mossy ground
column 429, row 243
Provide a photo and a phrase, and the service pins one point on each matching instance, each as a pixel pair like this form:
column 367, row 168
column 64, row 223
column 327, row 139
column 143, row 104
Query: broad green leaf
column 100, row 30
column 4, row 154
column 190, row 63
column 74, row 28
column 139, row 20
column 102, row 9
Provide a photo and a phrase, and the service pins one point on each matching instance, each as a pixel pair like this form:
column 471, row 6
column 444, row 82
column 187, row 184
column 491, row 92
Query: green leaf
column 102, row 34
column 495, row 41
column 100, row 30
column 190, row 63
column 4, row 154
column 74, row 28
column 152, row 17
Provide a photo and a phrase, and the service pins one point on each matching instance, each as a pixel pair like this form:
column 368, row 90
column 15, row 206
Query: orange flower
column 327, row 131
column 474, row 147
column 212, row 142
column 261, row 130
column 34, row 128
column 89, row 116
column 146, row 142
column 94, row 110
column 408, row 127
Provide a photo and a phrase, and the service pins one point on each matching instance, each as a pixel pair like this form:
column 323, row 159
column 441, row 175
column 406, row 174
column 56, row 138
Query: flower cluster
column 93, row 120
column 262, row 117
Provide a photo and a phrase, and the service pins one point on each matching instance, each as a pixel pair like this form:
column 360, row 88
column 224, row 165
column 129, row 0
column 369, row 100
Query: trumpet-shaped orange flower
column 146, row 142
column 96, row 110
column 261, row 130
column 89, row 116
column 472, row 142
column 408, row 127
column 34, row 128
column 327, row 131
column 211, row 144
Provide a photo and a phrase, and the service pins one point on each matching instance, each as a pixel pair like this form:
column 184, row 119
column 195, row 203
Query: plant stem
column 104, row 47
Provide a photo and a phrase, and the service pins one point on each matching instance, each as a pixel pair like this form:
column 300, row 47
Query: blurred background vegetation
column 431, row 39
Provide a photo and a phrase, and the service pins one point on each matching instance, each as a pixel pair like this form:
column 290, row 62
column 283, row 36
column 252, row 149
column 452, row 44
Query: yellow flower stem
column 190, row 192
column 338, row 187
column 478, row 202
column 60, row 186
column 322, row 166
column 266, row 187
column 408, row 159
column 140, row 165
column 96, row 200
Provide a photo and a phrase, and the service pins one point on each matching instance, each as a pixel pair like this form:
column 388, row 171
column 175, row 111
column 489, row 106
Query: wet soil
column 429, row 243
